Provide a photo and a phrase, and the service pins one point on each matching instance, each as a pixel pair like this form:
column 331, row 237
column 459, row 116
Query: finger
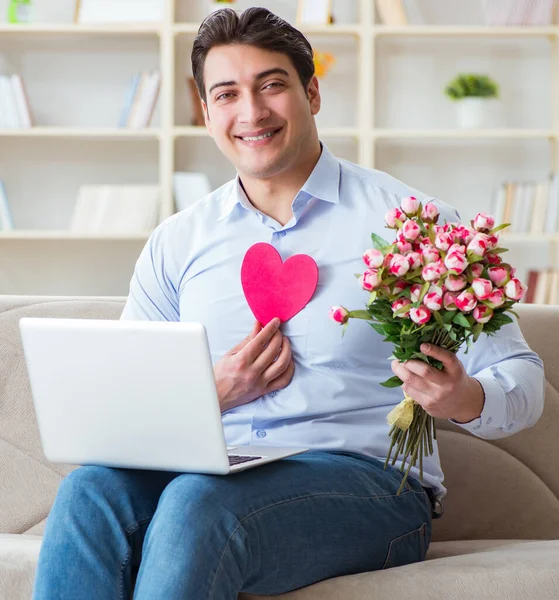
column 425, row 400
column 410, row 378
column 279, row 366
column 255, row 346
column 425, row 371
column 253, row 332
column 282, row 380
column 447, row 357
column 270, row 353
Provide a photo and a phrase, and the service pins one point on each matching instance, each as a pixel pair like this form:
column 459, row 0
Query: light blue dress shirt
column 189, row 270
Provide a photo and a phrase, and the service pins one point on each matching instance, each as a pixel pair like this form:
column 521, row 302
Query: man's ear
column 207, row 117
column 313, row 94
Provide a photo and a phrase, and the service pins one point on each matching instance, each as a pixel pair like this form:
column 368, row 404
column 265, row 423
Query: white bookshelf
column 352, row 128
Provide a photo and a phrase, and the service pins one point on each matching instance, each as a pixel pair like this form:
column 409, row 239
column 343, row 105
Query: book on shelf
column 119, row 11
column 117, row 209
column 518, row 12
column 140, row 100
column 531, row 207
column 15, row 112
column 392, row 12
column 6, row 221
column 542, row 287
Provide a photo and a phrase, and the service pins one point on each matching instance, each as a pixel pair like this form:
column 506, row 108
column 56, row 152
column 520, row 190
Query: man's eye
column 224, row 96
column 273, row 84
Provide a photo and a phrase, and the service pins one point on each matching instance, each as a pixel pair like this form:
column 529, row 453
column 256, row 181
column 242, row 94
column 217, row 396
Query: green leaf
column 461, row 320
column 438, row 318
column 378, row 328
column 478, row 328
column 448, row 316
column 424, row 290
column 378, row 242
column 473, row 258
column 499, row 227
column 392, row 382
column 359, row 314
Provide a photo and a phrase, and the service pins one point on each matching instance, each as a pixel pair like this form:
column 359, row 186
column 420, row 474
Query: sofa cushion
column 453, row 571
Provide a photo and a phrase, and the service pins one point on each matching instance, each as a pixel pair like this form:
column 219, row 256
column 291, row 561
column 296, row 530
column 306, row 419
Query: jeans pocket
column 408, row 548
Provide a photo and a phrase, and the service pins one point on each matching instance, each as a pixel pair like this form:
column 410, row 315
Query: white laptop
column 131, row 394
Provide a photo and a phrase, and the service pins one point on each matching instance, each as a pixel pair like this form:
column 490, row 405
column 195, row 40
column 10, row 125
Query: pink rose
column 433, row 299
column 399, row 265
column 430, row 213
column 492, row 241
column 466, row 301
column 514, row 289
column 399, row 286
column 373, row 258
column 482, row 313
column 420, row 315
column 411, row 230
column 410, row 206
column 387, row 259
column 339, row 314
column 431, row 272
column 493, row 259
column 476, row 269
column 498, row 275
column 455, row 283
column 456, row 261
column 430, row 254
column 457, row 248
column 496, row 298
column 403, row 245
column 370, row 280
column 482, row 288
column 483, row 222
column 478, row 245
column 393, row 215
column 449, row 301
column 414, row 258
column 400, row 304
column 421, row 243
column 415, row 292
column 443, row 241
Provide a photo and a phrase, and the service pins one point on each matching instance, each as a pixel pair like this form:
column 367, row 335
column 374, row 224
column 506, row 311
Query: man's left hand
column 449, row 393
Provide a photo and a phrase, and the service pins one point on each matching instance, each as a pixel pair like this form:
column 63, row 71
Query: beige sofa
column 499, row 537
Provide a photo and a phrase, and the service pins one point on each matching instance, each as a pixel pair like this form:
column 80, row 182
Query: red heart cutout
column 274, row 288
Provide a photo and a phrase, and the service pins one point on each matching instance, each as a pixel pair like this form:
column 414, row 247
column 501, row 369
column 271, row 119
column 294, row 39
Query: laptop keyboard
column 236, row 459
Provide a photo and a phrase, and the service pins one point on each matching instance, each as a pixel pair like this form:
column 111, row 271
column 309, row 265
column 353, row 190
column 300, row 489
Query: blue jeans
column 267, row 530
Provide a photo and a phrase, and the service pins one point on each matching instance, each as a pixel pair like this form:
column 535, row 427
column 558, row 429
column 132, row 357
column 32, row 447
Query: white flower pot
column 472, row 112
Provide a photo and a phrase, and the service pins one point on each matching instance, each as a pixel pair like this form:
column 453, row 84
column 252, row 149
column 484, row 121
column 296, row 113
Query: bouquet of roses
column 437, row 284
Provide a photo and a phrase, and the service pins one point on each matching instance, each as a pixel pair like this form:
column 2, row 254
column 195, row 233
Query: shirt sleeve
column 512, row 377
column 153, row 294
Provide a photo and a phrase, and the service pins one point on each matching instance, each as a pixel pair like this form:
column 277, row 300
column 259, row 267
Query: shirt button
column 272, row 394
column 261, row 434
column 281, row 233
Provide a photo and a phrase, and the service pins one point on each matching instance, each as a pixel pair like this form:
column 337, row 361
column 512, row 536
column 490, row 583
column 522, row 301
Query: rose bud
column 455, row 283
column 449, row 301
column 493, row 259
column 514, row 289
column 415, row 292
column 399, row 286
column 411, row 230
column 492, row 241
column 410, row 206
column 443, row 241
column 438, row 229
column 482, row 288
column 387, row 259
column 404, row 246
column 393, row 215
column 457, row 248
column 400, row 304
column 399, row 265
column 370, row 280
column 430, row 254
column 456, row 261
column 498, row 275
column 512, row 271
column 422, row 243
column 420, row 315
column 431, row 272
column 430, row 213
column 373, row 258
column 414, row 258
column 482, row 314
column 466, row 301
column 483, row 222
column 476, row 269
column 496, row 298
column 433, row 299
column 478, row 245
column 339, row 314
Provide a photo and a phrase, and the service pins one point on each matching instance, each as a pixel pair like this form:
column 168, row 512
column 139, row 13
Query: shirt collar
column 323, row 183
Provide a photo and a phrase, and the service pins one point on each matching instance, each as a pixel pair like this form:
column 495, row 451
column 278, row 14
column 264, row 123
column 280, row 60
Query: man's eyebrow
column 275, row 70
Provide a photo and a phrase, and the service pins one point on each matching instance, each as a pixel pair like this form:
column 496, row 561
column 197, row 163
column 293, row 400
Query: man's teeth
column 258, row 137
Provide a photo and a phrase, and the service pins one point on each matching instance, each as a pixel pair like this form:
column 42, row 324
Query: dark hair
column 255, row 26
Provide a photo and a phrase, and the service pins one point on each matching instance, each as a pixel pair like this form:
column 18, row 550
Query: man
column 333, row 510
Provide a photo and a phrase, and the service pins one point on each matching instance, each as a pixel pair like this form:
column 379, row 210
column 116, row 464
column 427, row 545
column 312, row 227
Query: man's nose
column 252, row 110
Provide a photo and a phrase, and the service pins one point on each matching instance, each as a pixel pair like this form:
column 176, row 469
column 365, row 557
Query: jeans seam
column 306, row 497
column 131, row 529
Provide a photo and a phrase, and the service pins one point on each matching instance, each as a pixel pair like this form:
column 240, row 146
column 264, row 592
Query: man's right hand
column 251, row 369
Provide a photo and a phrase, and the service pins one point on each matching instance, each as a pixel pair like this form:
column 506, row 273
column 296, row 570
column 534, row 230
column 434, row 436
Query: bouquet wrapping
column 442, row 284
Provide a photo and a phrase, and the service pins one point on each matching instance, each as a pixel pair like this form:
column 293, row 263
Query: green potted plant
column 472, row 92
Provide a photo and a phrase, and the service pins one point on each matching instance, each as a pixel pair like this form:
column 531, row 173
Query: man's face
column 257, row 110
